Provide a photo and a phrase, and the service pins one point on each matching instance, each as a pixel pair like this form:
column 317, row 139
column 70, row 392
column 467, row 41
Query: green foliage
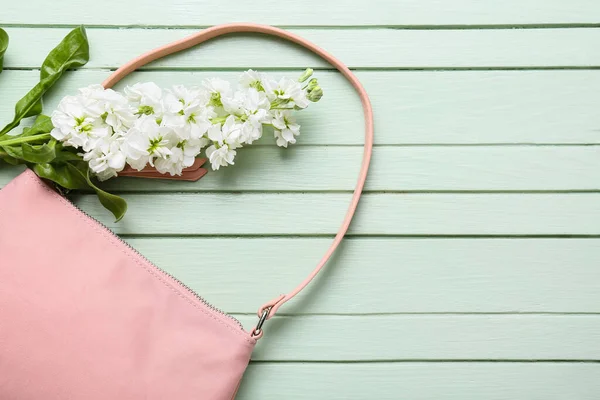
column 3, row 46
column 42, row 124
column 72, row 52
column 61, row 174
column 34, row 146
column 73, row 175
column 113, row 203
column 41, row 153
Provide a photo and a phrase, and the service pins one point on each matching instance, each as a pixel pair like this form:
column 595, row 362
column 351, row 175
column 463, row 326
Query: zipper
column 158, row 269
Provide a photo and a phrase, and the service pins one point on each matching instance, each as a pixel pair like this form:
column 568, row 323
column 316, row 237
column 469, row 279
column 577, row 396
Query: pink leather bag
column 84, row 316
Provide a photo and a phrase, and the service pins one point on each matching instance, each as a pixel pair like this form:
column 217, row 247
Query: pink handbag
column 85, row 316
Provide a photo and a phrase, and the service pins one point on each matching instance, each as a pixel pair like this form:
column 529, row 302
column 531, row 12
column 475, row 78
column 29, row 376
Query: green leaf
column 42, row 124
column 6, row 157
column 13, row 151
column 72, row 52
column 115, row 204
column 39, row 154
column 10, row 160
column 61, row 174
column 66, row 154
column 3, row 46
column 28, row 153
column 76, row 175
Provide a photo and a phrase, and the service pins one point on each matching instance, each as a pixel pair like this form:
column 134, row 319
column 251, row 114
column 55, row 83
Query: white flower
column 106, row 159
column 217, row 88
column 247, row 102
column 226, row 139
column 217, row 85
column 144, row 93
column 234, row 104
column 77, row 125
column 191, row 97
column 182, row 155
column 112, row 106
column 118, row 114
column 220, row 156
column 284, row 137
column 145, row 141
column 252, row 130
column 286, row 128
column 251, row 106
column 168, row 129
column 173, row 164
column 191, row 118
column 252, row 79
column 191, row 148
column 92, row 97
column 288, row 91
column 169, row 104
column 229, row 133
column 256, row 113
column 146, row 97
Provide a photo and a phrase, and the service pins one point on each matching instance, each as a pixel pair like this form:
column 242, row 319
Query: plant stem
column 218, row 120
column 26, row 139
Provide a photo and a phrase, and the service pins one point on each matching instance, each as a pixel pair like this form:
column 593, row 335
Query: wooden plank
column 402, row 275
column 320, row 214
column 307, row 168
column 422, row 381
column 312, row 13
column 379, row 214
column 401, row 169
column 373, row 48
column 411, row 107
column 425, row 337
column 475, row 276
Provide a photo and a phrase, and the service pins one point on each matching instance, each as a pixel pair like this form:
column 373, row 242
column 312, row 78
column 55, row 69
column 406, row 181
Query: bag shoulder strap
column 270, row 308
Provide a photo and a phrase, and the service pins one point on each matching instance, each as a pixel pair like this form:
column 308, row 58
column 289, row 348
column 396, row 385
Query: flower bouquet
column 145, row 131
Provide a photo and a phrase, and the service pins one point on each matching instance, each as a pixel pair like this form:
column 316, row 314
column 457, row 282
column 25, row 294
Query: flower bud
column 215, row 100
column 307, row 74
column 145, row 110
column 315, row 94
column 313, row 83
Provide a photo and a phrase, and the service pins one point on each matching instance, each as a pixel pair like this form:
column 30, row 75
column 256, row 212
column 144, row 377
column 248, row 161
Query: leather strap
column 191, row 174
column 269, row 309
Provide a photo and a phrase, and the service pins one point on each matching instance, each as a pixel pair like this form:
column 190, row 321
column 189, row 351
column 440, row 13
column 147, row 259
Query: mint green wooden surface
column 472, row 270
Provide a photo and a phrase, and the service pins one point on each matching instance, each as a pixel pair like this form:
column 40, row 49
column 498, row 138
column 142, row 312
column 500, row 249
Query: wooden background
column 472, row 270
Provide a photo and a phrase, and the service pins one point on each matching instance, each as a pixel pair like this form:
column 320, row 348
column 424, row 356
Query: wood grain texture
column 422, row 381
column 419, row 337
column 378, row 214
column 374, row 48
column 411, row 107
column 311, row 13
column 307, row 168
column 391, row 275
column 401, row 169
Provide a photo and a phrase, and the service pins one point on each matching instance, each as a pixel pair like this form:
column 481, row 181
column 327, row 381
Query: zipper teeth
column 162, row 271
